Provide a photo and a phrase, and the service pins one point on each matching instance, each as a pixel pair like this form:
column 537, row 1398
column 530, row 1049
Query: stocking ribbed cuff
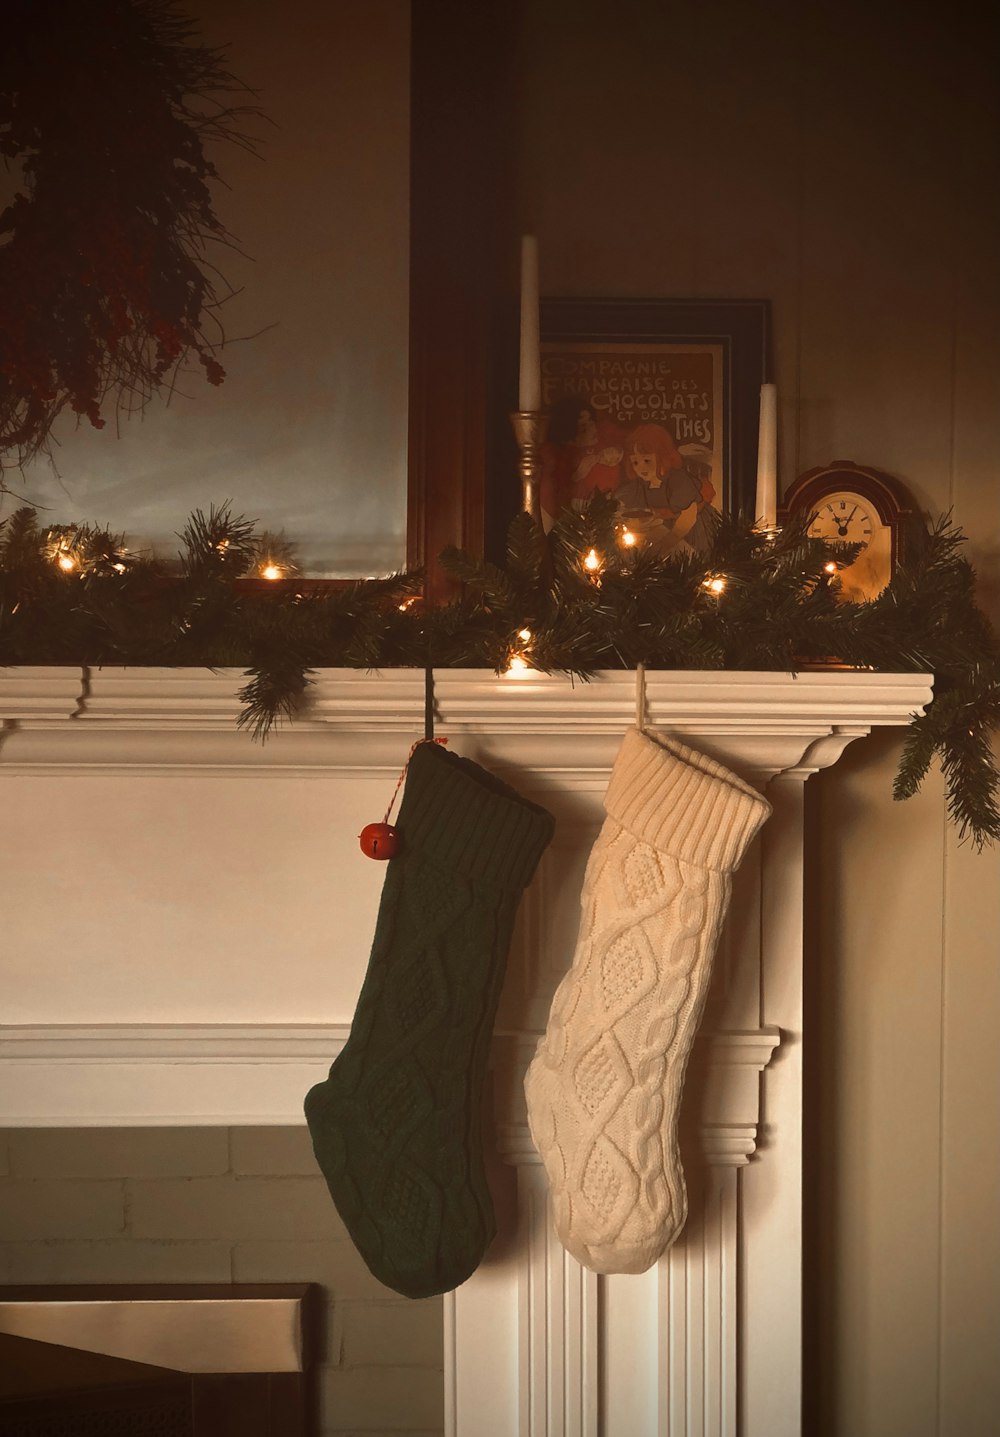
column 682, row 802
column 472, row 822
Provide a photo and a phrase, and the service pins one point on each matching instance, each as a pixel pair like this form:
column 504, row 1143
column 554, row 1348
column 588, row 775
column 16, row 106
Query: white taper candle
column 529, row 391
column 766, row 507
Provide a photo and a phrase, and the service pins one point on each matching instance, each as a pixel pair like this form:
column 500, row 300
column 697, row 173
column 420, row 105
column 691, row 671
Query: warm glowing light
column 716, row 585
column 629, row 539
column 592, row 561
column 518, row 664
column 272, row 571
column 222, row 545
column 119, row 568
column 66, row 562
column 407, row 604
column 830, row 568
column 524, row 635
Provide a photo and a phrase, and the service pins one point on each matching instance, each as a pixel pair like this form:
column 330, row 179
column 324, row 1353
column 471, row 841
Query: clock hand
column 844, row 524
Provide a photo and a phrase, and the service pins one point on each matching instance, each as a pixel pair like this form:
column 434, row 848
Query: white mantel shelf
column 183, row 943
column 157, row 719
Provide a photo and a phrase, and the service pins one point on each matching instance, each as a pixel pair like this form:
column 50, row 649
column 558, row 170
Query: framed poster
column 656, row 402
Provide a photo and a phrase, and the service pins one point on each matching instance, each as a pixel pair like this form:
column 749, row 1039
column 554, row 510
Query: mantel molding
column 162, row 1075
column 203, row 1074
column 557, row 736
column 154, row 720
column 726, row 1066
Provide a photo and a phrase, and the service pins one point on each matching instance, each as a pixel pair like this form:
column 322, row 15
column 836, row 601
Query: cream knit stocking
column 604, row 1087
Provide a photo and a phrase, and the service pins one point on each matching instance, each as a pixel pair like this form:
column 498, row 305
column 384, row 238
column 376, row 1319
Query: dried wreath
column 105, row 111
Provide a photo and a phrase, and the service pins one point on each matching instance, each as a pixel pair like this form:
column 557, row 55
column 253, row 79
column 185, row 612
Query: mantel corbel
column 725, row 1067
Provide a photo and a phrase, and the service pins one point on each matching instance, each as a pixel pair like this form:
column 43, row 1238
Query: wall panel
column 840, row 160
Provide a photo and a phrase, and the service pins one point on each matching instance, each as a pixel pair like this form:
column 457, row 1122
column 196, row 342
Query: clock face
column 852, row 519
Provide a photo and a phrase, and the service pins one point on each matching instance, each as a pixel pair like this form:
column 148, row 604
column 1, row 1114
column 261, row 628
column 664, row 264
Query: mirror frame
column 461, row 261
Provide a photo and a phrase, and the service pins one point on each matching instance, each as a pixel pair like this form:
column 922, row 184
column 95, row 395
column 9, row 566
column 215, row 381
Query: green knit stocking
column 396, row 1125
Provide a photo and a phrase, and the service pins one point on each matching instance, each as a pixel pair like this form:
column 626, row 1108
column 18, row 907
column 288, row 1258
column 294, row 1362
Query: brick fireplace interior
column 211, row 1206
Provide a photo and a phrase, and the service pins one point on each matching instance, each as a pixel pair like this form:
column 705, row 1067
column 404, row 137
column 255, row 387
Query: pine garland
column 75, row 595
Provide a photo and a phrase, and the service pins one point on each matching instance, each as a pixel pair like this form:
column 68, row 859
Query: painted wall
column 308, row 432
column 840, row 160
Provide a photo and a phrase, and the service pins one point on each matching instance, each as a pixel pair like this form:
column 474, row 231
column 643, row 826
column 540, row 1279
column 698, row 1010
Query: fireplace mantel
column 97, row 762
column 187, row 921
column 176, row 720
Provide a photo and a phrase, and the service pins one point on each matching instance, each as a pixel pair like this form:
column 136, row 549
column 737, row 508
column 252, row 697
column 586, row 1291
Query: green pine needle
column 778, row 609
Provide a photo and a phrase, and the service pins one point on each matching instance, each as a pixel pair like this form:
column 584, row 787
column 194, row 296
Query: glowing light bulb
column 830, row 568
column 524, row 635
column 222, row 545
column 119, row 568
column 592, row 561
column 518, row 664
column 629, row 539
column 407, row 604
column 716, row 585
column 66, row 562
column 272, row 571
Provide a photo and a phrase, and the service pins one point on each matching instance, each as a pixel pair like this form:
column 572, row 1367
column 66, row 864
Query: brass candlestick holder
column 530, row 427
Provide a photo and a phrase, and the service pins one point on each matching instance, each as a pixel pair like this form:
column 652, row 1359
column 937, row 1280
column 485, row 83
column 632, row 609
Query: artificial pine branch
column 526, row 552
column 777, row 608
column 217, row 546
column 19, row 539
column 480, row 575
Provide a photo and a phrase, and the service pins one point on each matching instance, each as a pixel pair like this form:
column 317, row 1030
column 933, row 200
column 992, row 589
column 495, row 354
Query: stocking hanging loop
column 382, row 840
column 429, row 704
column 640, row 698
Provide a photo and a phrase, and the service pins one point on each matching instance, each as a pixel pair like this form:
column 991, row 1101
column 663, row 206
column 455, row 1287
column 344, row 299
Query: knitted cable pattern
column 396, row 1125
column 604, row 1088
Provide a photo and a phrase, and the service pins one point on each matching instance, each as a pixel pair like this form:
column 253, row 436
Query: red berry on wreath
column 379, row 840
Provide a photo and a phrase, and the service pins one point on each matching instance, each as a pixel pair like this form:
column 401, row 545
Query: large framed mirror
column 352, row 412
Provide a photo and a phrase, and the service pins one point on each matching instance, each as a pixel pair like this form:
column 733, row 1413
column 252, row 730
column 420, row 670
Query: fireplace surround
column 237, row 864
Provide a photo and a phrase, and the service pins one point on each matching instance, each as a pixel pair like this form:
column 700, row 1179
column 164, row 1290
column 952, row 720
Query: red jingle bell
column 379, row 840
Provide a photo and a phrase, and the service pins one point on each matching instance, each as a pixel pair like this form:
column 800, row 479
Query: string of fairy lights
column 82, row 551
column 593, row 593
column 593, row 564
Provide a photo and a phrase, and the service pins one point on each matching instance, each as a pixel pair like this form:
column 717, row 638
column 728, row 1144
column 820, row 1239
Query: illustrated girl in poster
column 663, row 499
column 583, row 453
